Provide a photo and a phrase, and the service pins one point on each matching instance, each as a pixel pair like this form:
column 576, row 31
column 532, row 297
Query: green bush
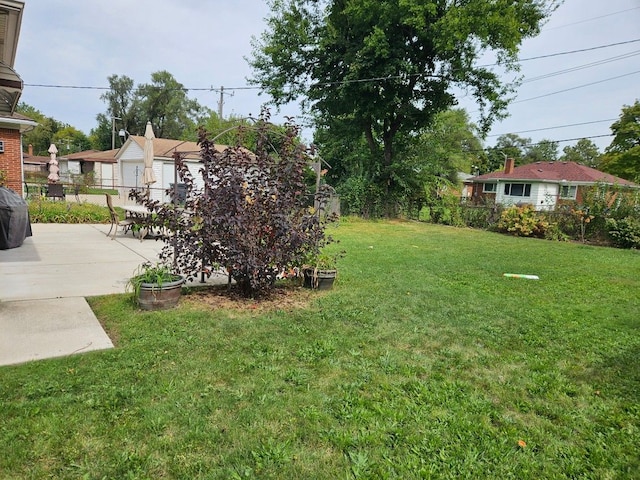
column 523, row 222
column 481, row 216
column 603, row 202
column 624, row 232
column 362, row 197
column 43, row 210
column 555, row 232
column 445, row 209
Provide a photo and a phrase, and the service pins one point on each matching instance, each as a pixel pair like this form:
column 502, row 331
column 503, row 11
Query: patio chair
column 55, row 190
column 126, row 224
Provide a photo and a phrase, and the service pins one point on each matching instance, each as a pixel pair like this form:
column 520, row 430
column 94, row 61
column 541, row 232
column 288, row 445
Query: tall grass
column 423, row 362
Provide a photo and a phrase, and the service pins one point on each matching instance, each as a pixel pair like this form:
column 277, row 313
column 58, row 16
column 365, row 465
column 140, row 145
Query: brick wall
column 11, row 159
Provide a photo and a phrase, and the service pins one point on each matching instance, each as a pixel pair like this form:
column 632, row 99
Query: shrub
column 83, row 182
column 523, row 221
column 247, row 213
column 624, row 232
column 484, row 215
column 555, row 232
column 362, row 197
column 44, row 210
column 603, row 202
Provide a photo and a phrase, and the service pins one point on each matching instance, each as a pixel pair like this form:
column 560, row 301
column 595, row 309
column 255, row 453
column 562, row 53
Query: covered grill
column 15, row 225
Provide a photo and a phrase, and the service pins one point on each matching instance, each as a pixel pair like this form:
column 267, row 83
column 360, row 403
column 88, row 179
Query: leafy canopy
column 584, row 151
column 622, row 157
column 510, row 145
column 49, row 130
column 163, row 102
column 387, row 67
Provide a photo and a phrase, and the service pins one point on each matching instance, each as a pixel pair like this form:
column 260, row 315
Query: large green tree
column 163, row 102
column 509, row 145
column 543, row 151
column 451, row 144
column 70, row 140
column 584, row 151
column 121, row 113
column 622, row 156
column 389, row 66
column 49, row 130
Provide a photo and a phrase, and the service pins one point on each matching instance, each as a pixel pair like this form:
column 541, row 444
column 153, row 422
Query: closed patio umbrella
column 148, row 177
column 53, row 165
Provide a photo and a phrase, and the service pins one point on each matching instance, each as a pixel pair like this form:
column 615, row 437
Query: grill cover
column 15, row 225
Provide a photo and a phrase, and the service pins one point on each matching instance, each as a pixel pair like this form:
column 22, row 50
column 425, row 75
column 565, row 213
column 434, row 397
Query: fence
column 564, row 223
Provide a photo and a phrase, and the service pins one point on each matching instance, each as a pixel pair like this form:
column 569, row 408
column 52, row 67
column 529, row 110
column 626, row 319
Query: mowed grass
column 423, row 362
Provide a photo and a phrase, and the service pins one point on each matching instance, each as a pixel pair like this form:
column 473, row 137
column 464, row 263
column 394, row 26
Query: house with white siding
column 101, row 164
column 541, row 184
column 130, row 165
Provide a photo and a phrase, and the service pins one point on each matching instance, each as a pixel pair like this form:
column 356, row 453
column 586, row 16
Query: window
column 489, row 187
column 568, row 191
column 517, row 189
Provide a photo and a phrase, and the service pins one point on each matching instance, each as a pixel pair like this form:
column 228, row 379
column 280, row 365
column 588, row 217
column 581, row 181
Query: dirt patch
column 286, row 298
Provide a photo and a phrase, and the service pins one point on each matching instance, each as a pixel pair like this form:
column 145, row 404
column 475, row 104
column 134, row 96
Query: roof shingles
column 556, row 172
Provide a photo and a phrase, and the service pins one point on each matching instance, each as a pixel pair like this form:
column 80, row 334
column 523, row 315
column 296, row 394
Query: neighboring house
column 12, row 125
column 131, row 164
column 464, row 179
column 542, row 184
column 36, row 164
column 103, row 166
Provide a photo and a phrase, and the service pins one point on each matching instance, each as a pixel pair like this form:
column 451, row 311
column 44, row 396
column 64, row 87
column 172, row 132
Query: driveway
column 44, row 282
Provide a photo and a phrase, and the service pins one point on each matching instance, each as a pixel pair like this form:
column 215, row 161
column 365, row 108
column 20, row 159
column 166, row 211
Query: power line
column 582, row 67
column 576, row 87
column 569, row 52
column 608, row 45
column 591, row 19
column 534, row 144
column 42, row 85
column 361, row 80
column 556, row 127
column 567, row 140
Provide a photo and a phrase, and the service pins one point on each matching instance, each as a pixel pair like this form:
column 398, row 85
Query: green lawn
column 423, row 362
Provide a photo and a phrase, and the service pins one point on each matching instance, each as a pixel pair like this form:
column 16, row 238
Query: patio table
column 138, row 213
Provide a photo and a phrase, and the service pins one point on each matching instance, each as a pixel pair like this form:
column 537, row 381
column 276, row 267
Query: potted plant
column 156, row 286
column 321, row 271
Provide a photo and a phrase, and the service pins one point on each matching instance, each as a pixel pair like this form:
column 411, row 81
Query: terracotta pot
column 154, row 297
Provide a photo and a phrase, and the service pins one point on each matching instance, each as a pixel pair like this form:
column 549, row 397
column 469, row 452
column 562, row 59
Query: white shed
column 131, row 164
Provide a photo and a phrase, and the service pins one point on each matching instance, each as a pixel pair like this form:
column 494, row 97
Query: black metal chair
column 55, row 190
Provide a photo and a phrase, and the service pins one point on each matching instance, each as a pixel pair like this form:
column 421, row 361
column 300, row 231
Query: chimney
column 30, row 149
column 508, row 165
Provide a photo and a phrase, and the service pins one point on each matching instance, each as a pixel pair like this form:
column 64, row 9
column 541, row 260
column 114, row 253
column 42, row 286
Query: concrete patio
column 44, row 282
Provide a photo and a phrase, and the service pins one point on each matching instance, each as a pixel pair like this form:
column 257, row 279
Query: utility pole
column 113, row 131
column 221, row 101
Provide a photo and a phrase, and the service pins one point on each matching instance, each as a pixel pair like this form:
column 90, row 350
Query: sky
column 204, row 45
